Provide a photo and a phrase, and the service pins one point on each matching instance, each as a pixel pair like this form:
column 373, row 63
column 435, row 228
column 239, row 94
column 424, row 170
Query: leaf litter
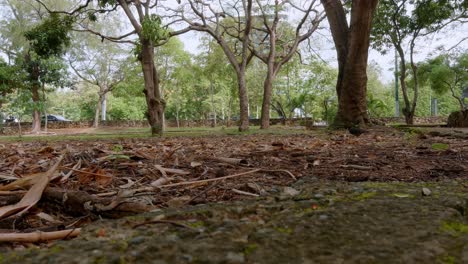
column 54, row 188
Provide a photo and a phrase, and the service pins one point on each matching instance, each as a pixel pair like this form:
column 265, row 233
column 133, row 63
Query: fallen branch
column 286, row 171
column 163, row 222
column 244, row 193
column 232, row 161
column 357, row 167
column 39, row 236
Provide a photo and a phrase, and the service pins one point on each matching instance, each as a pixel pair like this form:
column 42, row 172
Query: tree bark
column 352, row 44
column 36, row 122
column 104, row 106
column 97, row 110
column 266, row 102
column 154, row 100
column 243, row 102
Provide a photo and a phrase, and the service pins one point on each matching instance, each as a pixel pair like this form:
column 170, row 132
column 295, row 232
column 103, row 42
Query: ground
column 287, row 196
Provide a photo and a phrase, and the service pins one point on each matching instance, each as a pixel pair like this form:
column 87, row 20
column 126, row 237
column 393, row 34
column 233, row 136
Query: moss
column 447, row 259
column 250, row 248
column 284, row 230
column 363, row 196
column 55, row 249
column 455, row 228
column 197, row 224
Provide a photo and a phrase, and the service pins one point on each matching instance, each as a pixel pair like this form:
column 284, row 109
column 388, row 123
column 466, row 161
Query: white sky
column 327, row 51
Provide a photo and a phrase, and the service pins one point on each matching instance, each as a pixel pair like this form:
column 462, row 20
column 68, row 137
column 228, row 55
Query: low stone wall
column 12, row 128
column 417, row 120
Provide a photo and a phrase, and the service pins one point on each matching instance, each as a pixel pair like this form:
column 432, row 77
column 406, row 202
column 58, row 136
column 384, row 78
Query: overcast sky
column 425, row 48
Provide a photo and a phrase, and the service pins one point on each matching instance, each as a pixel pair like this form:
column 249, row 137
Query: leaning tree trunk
column 243, row 103
column 154, row 100
column 352, row 45
column 96, row 112
column 267, row 92
column 36, row 122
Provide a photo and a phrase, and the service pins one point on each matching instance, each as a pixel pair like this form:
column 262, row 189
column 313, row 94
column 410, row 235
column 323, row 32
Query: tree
column 230, row 26
column 42, row 61
column 403, row 22
column 352, row 44
column 98, row 65
column 276, row 47
column 149, row 31
column 445, row 73
column 35, row 43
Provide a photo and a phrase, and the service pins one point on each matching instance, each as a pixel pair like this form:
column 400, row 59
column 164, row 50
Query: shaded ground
column 344, row 205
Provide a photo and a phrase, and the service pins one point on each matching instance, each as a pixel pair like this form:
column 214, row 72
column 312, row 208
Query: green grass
column 123, row 133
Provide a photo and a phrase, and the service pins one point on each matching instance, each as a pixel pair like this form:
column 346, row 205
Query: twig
column 286, row 171
column 39, row 236
column 244, row 193
column 357, row 167
column 210, row 180
column 163, row 222
column 85, row 172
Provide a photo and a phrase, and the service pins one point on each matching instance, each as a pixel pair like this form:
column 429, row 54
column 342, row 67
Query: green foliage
column 153, row 30
column 445, row 72
column 51, row 36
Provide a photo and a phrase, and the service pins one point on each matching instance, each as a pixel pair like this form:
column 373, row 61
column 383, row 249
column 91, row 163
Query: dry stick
column 85, row 172
column 245, row 193
column 357, row 167
column 210, row 180
column 163, row 222
column 286, row 171
column 39, row 236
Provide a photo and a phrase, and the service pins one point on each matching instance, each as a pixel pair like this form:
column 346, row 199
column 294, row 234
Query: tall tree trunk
column 154, row 100
column 243, row 102
column 266, row 103
column 97, row 110
column 352, row 45
column 104, row 107
column 36, row 122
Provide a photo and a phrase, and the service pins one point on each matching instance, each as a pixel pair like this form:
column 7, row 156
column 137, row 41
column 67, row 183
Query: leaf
column 440, row 146
column 33, row 195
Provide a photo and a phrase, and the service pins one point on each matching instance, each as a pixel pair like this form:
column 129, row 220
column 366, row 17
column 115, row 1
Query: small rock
column 330, row 191
column 426, row 192
column 233, row 257
column 319, row 196
column 136, row 240
column 290, row 191
column 323, row 217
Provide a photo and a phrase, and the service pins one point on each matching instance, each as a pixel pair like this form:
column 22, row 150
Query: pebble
column 290, row 191
column 136, row 240
column 323, row 217
column 426, row 192
column 233, row 257
column 319, row 196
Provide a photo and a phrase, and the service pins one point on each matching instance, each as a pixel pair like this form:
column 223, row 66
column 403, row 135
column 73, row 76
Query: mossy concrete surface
column 327, row 222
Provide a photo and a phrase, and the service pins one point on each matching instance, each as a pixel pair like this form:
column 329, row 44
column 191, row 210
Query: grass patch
column 126, row 133
column 364, row 196
column 455, row 228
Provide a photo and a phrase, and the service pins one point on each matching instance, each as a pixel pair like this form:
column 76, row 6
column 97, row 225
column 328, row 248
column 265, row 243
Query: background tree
column 222, row 22
column 352, row 44
column 100, row 65
column 446, row 73
column 149, row 31
column 404, row 22
column 278, row 42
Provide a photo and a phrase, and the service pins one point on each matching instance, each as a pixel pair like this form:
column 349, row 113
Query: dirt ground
column 386, row 196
